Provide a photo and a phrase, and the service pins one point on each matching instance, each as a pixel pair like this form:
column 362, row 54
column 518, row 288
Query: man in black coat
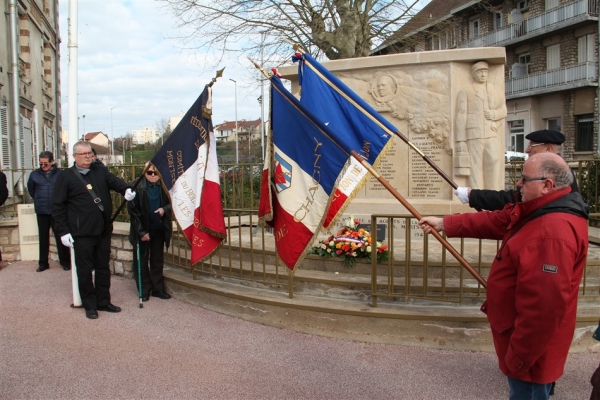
column 82, row 208
column 541, row 141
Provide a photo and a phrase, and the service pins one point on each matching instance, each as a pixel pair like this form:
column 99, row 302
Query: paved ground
column 173, row 350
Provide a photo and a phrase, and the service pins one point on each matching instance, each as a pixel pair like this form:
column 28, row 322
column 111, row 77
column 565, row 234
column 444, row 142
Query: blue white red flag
column 300, row 177
column 187, row 163
column 351, row 119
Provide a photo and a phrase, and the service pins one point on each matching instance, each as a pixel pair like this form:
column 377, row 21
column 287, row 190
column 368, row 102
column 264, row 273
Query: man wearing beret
column 542, row 141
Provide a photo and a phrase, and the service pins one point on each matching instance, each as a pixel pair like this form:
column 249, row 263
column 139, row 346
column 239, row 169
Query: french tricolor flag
column 351, row 119
column 187, row 163
column 301, row 171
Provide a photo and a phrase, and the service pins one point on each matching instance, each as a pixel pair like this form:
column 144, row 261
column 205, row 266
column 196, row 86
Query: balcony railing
column 579, row 74
column 556, row 18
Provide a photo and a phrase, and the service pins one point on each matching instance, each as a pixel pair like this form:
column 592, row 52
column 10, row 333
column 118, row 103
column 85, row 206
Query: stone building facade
column 551, row 74
column 37, row 41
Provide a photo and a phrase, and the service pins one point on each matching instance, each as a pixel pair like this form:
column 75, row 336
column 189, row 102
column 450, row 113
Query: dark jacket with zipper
column 41, row 188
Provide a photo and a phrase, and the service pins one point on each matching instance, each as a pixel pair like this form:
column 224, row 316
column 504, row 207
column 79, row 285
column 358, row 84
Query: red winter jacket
column 534, row 280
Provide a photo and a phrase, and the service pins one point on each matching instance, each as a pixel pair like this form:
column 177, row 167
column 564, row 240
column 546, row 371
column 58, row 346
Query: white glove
column 67, row 240
column 463, row 194
column 129, row 194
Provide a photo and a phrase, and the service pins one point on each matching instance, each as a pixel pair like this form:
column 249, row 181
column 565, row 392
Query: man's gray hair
column 560, row 173
column 81, row 143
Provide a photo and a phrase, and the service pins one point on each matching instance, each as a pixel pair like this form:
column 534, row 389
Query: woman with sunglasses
column 41, row 188
column 150, row 231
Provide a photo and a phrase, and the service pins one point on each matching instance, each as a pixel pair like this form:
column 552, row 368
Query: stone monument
column 450, row 104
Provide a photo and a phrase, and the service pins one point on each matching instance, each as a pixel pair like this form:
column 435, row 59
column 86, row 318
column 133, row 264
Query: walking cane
column 139, row 272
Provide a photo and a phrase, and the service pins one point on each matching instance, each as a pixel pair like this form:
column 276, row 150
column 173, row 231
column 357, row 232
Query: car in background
column 515, row 156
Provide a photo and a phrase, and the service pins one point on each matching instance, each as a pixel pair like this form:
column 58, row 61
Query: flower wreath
column 349, row 243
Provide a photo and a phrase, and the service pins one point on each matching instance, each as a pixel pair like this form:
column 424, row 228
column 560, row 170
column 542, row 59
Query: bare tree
column 334, row 28
column 163, row 126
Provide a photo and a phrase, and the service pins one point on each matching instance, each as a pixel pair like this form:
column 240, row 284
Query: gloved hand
column 129, row 194
column 463, row 194
column 67, row 240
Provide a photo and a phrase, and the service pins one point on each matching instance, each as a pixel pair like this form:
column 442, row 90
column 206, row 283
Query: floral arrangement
column 350, row 243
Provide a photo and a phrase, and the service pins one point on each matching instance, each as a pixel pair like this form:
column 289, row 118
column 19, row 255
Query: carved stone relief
column 417, row 101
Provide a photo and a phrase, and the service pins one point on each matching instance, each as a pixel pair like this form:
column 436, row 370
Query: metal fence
column 418, row 266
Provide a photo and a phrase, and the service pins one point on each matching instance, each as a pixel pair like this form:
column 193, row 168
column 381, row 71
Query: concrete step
column 412, row 322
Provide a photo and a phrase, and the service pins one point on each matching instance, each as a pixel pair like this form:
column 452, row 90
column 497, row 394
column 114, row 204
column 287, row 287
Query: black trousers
column 93, row 253
column 45, row 223
column 152, row 261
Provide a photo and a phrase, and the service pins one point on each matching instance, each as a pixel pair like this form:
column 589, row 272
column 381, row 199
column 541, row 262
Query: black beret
column 546, row 136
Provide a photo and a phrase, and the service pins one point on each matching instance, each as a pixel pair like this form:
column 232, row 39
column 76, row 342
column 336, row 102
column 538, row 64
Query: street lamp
column 112, row 135
column 237, row 160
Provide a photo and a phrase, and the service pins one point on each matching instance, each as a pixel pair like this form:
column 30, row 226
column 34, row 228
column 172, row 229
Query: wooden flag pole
column 417, row 215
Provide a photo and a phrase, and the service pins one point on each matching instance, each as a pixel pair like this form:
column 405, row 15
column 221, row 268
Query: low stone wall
column 9, row 240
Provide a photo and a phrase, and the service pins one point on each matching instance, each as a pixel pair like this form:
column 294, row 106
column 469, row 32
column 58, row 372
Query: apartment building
column 145, row 135
column 29, row 44
column 551, row 74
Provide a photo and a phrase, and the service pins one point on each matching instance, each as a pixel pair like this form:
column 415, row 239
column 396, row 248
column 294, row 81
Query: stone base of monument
column 334, row 301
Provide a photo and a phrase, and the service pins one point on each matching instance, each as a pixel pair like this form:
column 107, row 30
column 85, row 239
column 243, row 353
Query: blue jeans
column 521, row 390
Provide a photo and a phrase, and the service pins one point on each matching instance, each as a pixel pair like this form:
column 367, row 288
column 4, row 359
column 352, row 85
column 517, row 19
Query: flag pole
column 402, row 200
column 417, row 215
column 137, row 181
column 410, row 144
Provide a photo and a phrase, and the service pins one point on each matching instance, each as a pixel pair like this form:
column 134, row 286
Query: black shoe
column 91, row 314
column 161, row 294
column 145, row 298
column 110, row 308
column 42, row 268
column 66, row 267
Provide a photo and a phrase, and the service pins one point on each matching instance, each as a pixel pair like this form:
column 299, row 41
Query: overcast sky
column 127, row 61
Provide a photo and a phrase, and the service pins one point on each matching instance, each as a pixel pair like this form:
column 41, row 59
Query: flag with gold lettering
column 303, row 167
column 351, row 119
column 187, row 163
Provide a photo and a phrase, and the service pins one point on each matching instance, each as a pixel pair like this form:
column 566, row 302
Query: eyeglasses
column 531, row 146
column 539, row 178
column 44, row 164
column 151, row 173
column 88, row 154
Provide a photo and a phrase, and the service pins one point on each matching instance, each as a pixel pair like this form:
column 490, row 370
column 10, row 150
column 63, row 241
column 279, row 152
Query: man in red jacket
column 534, row 281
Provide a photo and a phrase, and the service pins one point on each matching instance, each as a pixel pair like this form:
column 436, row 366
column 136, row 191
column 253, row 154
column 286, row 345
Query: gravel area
column 173, row 350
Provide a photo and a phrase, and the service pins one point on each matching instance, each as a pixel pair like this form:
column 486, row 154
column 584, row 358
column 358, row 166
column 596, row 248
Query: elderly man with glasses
column 532, row 288
column 543, row 141
column 40, row 186
column 150, row 231
column 82, row 208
